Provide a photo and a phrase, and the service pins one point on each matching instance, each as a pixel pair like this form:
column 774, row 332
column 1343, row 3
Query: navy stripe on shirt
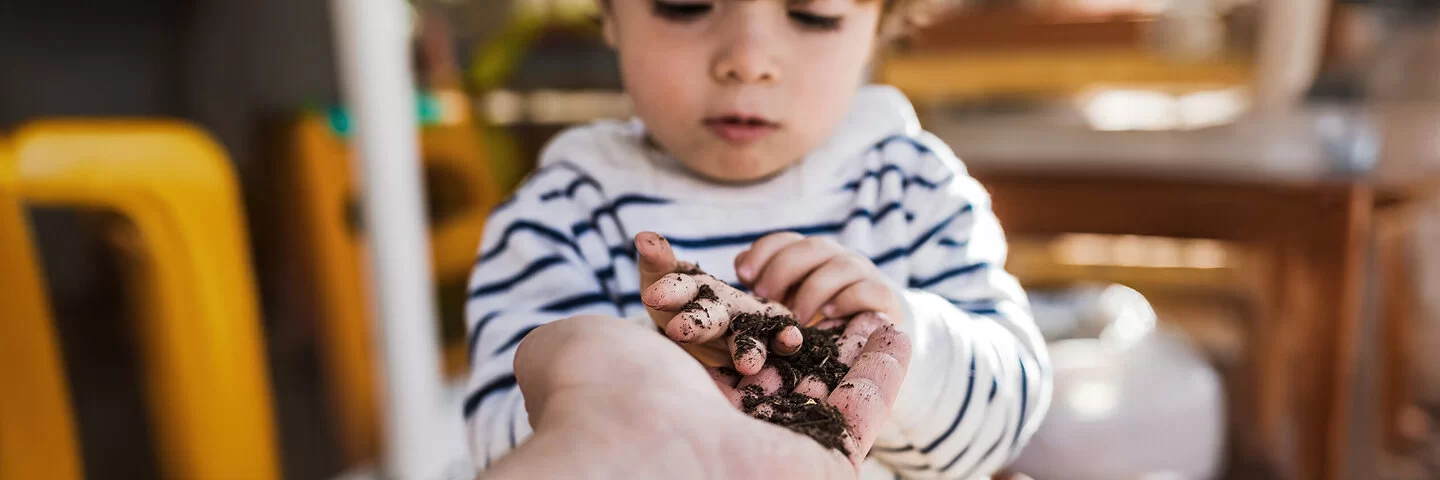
column 520, row 225
column 529, row 271
column 987, row 454
column 957, row 458
column 472, row 402
column 950, row 242
column 480, row 325
column 1024, row 399
column 916, row 282
column 611, row 209
column 919, row 147
column 578, row 301
column 901, row 252
column 964, row 405
column 569, row 190
column 515, row 339
column 818, row 229
column 905, row 180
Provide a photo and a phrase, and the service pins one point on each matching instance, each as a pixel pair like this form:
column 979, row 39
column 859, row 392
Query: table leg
column 1396, row 316
column 1324, row 279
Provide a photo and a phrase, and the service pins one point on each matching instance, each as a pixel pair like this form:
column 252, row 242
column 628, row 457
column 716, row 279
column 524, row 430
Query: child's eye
column 815, row 22
column 680, row 12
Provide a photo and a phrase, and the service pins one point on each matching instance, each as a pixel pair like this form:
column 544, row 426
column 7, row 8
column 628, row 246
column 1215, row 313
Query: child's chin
column 740, row 172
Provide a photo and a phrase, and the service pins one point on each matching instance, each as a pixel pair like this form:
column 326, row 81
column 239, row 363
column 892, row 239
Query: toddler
column 758, row 155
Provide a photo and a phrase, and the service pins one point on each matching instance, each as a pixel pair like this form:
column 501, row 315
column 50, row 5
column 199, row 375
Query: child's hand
column 667, row 286
column 816, row 275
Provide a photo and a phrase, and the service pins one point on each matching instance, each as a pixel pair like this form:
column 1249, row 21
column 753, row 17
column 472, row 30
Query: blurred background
column 1226, row 212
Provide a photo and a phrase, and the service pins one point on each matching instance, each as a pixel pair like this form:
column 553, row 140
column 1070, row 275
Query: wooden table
column 1269, row 183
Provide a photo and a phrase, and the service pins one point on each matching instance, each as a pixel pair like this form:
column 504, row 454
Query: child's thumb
column 655, row 258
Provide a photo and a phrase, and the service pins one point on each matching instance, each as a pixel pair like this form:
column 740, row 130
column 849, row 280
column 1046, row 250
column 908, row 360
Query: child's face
column 739, row 89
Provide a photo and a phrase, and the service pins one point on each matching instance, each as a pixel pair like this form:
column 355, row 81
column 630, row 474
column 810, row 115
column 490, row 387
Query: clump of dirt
column 748, row 328
column 801, row 414
column 819, row 356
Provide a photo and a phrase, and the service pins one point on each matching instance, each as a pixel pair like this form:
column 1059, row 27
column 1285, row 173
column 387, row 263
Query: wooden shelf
column 942, row 76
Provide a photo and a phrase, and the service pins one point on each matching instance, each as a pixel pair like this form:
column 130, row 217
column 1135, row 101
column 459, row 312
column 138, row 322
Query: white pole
column 372, row 37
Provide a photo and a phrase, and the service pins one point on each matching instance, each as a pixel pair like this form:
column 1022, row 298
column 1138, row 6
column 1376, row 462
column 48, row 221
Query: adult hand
column 609, row 399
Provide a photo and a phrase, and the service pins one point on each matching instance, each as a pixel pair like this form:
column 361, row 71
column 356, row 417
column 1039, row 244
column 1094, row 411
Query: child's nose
column 745, row 61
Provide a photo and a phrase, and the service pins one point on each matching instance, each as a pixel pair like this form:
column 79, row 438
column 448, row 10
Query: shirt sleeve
column 531, row 270
column 979, row 379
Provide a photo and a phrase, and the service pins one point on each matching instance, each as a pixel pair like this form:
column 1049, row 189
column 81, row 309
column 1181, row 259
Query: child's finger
column 792, row 264
column 827, row 281
column 787, row 341
column 869, row 295
column 697, row 321
column 830, row 323
column 856, row 333
column 748, row 354
column 868, row 392
column 749, row 262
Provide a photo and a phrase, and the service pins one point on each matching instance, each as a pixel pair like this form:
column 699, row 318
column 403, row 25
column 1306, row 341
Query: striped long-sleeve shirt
column 979, row 379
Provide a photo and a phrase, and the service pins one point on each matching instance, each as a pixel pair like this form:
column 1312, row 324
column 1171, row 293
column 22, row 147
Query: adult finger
column 856, row 333
column 868, row 392
column 697, row 321
column 670, row 292
column 748, row 353
column 749, row 262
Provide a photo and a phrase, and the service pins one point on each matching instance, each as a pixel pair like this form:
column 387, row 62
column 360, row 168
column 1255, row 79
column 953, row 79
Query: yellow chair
column 459, row 180
column 37, row 431
column 204, row 363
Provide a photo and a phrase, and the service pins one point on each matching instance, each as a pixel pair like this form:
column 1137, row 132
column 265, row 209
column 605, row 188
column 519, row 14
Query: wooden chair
column 204, row 365
column 462, row 193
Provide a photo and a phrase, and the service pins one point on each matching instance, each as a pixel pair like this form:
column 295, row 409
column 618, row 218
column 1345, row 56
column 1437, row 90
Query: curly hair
column 901, row 16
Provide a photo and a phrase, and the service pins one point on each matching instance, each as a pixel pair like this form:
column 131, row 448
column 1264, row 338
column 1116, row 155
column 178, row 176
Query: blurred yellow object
column 200, row 334
column 942, row 76
column 458, row 177
column 37, row 429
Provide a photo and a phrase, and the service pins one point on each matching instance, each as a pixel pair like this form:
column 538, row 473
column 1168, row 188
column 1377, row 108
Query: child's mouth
column 740, row 129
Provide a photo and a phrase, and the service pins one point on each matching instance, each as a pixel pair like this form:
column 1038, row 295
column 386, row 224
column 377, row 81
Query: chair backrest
column 37, row 428
column 206, row 378
column 324, row 189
